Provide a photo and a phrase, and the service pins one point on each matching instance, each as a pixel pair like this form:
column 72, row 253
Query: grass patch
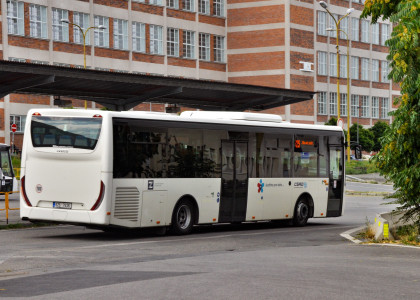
column 409, row 235
column 355, row 167
column 367, row 234
column 24, row 225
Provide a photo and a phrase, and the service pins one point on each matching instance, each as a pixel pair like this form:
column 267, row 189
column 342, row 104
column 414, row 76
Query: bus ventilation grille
column 127, row 203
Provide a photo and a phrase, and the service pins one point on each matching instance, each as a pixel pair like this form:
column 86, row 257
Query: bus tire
column 302, row 210
column 183, row 217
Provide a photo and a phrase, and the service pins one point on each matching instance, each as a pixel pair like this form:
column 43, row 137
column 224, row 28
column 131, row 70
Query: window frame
column 15, row 18
column 38, row 21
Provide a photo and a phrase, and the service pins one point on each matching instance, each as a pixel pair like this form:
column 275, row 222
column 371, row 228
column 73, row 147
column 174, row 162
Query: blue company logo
column 260, row 186
column 301, row 185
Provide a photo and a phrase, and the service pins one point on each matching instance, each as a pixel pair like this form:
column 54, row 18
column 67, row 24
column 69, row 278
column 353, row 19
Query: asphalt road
column 252, row 261
column 368, row 187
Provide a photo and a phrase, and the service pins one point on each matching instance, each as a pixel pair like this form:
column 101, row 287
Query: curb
column 358, row 193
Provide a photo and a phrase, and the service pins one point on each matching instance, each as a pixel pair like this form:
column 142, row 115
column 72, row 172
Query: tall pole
column 84, row 33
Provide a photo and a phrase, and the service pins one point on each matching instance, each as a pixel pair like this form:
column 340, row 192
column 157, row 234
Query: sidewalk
column 14, row 215
column 371, row 177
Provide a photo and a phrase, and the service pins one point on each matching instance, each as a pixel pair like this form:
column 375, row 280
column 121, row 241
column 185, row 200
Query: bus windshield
column 67, row 132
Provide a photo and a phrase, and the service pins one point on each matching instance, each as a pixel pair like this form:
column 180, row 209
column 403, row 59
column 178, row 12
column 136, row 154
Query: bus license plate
column 65, row 205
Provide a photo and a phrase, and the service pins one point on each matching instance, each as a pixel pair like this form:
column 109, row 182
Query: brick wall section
column 217, row 21
column 360, row 45
column 151, row 9
column 30, row 99
column 179, row 14
column 149, row 58
column 28, row 42
column 343, row 81
column 111, row 53
column 112, row 3
column 242, row 1
column 2, row 121
column 320, row 78
column 396, row 86
column 301, row 82
column 341, row 3
column 146, row 107
column 380, row 85
column 207, row 65
column 301, row 38
column 380, row 48
column 277, row 110
column 187, row 63
column 255, row 39
column 256, row 15
column 301, row 15
column 256, row 61
column 277, row 81
column 360, row 83
column 70, row 48
column 297, row 57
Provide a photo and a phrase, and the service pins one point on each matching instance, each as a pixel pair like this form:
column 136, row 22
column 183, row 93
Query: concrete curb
column 348, row 235
column 358, row 193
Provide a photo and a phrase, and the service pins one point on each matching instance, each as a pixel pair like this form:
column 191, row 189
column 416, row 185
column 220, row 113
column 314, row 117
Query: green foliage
column 355, row 167
column 332, row 122
column 366, row 137
column 399, row 158
column 378, row 131
column 409, row 234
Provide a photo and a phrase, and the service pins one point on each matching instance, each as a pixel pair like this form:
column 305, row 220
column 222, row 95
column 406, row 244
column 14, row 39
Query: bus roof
column 213, row 117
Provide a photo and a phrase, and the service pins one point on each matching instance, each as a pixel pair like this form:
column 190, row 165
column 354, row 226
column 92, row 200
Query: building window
column 172, row 4
column 331, row 22
column 139, row 37
column 204, row 7
column 120, row 34
column 204, row 46
column 354, row 67
column 355, row 106
column 333, row 104
column 322, row 103
column 355, row 29
column 156, row 2
column 60, row 29
column 322, row 23
column 101, row 35
column 82, row 20
column 375, row 70
column 140, row 1
column 365, row 31
column 384, row 71
column 38, row 21
column 385, row 108
column 219, row 48
column 188, row 5
column 15, row 17
column 343, row 66
column 19, row 121
column 365, row 106
column 385, row 33
column 344, row 26
column 188, row 42
column 333, row 64
column 156, row 39
column 375, row 107
column 17, row 59
column 343, row 104
column 375, row 33
column 218, row 8
column 322, row 63
column 172, row 42
column 365, row 68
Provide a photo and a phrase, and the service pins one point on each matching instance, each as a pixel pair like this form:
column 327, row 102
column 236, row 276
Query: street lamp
column 84, row 33
column 348, row 88
column 337, row 25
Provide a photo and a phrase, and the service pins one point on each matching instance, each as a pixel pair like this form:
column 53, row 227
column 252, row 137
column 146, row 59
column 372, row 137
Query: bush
column 355, row 167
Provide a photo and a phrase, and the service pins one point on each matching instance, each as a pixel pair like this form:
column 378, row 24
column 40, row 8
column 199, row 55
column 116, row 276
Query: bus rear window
column 67, row 132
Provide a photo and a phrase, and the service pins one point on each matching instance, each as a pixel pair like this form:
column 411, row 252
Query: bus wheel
column 183, row 218
column 301, row 215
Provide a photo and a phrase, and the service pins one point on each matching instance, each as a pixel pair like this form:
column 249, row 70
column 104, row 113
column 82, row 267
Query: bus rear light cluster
column 25, row 197
column 36, row 114
column 100, row 198
column 97, row 116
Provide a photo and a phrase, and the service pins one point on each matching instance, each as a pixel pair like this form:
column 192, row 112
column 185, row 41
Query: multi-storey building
column 274, row 43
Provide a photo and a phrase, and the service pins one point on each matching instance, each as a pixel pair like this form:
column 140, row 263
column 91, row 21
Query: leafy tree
column 332, row 122
column 378, row 131
column 365, row 137
column 399, row 158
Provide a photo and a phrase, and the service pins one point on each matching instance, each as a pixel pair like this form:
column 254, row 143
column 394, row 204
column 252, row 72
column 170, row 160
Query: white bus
column 144, row 169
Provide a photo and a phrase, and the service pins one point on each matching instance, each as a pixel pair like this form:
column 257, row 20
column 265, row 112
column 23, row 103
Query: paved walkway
column 14, row 215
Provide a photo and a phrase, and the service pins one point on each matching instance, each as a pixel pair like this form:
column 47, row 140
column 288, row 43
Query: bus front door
column 336, row 179
column 234, row 192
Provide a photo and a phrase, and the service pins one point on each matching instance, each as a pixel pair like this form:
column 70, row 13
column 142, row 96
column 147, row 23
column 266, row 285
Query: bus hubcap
column 184, row 216
column 302, row 211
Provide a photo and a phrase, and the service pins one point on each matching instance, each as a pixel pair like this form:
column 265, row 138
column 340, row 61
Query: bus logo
column 38, row 188
column 150, row 185
column 260, row 186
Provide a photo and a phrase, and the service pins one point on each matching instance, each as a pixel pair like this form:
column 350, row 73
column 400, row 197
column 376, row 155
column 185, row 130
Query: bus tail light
column 100, row 198
column 97, row 116
column 25, row 197
column 36, row 114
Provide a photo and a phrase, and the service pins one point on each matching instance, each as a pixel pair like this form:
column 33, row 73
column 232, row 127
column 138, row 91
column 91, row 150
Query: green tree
column 399, row 158
column 331, row 122
column 378, row 131
column 365, row 137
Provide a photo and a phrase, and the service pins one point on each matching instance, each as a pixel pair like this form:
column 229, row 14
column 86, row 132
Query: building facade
column 275, row 43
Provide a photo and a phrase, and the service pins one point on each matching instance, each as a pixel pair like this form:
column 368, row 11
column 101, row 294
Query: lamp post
column 84, row 34
column 348, row 89
column 324, row 5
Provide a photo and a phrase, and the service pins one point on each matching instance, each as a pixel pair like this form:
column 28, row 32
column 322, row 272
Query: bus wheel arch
column 184, row 215
column 303, row 210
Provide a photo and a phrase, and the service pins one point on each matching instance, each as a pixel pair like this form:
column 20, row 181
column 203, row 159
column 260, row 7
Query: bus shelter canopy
column 123, row 91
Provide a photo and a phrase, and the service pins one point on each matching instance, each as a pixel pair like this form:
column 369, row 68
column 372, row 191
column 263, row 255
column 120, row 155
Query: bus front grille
column 127, row 204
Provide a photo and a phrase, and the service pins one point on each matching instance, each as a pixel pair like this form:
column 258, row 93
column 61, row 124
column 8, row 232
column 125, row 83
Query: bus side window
column 81, row 141
column 49, row 139
column 65, row 140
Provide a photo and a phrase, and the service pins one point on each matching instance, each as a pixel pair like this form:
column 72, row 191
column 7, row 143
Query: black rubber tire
column 183, row 218
column 301, row 215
